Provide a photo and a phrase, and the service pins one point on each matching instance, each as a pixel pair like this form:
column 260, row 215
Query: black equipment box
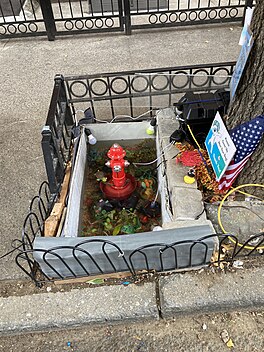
column 198, row 111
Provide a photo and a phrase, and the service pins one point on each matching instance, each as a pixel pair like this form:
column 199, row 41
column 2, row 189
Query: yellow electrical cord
column 220, row 208
column 191, row 132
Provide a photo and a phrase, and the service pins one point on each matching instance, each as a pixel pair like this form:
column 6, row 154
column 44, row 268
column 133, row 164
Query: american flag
column 246, row 138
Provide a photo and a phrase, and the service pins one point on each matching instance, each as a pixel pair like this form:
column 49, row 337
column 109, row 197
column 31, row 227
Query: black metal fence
column 112, row 94
column 20, row 18
column 135, row 92
column 120, row 93
column 228, row 250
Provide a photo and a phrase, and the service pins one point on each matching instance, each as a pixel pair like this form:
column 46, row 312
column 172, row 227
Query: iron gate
column 21, row 18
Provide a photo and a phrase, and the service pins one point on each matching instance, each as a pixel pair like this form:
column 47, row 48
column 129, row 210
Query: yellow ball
column 188, row 179
column 150, row 131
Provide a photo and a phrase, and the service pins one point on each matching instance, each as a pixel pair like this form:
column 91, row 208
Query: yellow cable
column 191, row 132
column 220, row 208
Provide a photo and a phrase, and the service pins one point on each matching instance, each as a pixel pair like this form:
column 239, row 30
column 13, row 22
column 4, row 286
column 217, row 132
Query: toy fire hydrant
column 121, row 185
column 117, row 163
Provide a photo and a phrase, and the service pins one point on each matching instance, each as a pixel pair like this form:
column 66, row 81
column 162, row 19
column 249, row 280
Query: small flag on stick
column 246, row 138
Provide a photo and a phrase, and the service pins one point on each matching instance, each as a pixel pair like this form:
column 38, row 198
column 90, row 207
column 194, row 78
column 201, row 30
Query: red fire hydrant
column 117, row 163
column 121, row 185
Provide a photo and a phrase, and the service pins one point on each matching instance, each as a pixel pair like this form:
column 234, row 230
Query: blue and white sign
column 241, row 61
column 220, row 146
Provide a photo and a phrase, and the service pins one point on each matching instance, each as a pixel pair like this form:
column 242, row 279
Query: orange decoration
column 190, row 158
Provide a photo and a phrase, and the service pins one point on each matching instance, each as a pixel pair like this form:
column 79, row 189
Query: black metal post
column 48, row 17
column 48, row 159
column 52, row 153
column 127, row 16
column 121, row 14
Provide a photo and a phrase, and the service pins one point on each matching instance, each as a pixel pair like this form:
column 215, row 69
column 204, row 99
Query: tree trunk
column 249, row 99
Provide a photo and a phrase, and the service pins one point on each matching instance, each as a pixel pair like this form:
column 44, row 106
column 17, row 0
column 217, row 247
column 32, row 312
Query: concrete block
column 189, row 224
column 175, row 175
column 186, row 203
column 77, row 307
column 238, row 218
column 200, row 292
column 167, row 122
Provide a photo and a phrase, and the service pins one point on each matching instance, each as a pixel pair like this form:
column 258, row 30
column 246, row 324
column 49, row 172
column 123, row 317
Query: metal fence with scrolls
column 23, row 18
column 40, row 208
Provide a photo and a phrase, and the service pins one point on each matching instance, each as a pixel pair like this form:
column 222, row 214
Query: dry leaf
column 230, row 343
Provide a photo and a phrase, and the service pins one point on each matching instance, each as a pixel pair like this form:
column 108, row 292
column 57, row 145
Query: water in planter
column 120, row 192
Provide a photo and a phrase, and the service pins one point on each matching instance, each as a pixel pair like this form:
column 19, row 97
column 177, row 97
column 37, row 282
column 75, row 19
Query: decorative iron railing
column 21, row 18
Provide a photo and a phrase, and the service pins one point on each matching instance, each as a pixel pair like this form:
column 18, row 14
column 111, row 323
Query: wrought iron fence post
column 127, row 16
column 48, row 159
column 48, row 17
column 51, row 150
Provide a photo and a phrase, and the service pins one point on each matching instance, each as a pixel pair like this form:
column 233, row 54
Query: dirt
column 182, row 334
column 28, row 287
column 101, row 216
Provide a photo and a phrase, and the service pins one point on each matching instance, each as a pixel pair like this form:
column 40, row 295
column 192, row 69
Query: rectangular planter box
column 70, row 255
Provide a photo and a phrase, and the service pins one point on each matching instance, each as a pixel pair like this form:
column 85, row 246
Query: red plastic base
column 112, row 192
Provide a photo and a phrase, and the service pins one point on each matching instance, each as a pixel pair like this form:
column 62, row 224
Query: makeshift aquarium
column 118, row 202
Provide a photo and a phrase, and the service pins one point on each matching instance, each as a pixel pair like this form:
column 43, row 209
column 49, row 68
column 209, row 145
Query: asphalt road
column 184, row 334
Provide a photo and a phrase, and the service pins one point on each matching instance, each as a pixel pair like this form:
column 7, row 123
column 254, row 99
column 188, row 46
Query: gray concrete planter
column 177, row 245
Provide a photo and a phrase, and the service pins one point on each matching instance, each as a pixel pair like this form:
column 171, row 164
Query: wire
column 220, row 208
column 130, row 117
column 117, row 116
column 199, row 150
column 104, row 121
column 199, row 215
column 250, row 195
column 12, row 250
column 244, row 207
column 156, row 196
column 153, row 161
column 236, row 206
column 195, row 140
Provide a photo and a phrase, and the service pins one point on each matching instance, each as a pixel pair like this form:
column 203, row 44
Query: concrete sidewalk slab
column 203, row 292
column 189, row 293
column 77, row 307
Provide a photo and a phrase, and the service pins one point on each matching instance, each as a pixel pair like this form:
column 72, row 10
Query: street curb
column 205, row 292
column 77, row 307
column 179, row 294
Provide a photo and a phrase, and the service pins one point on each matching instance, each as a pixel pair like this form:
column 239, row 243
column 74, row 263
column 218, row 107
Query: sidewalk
column 198, row 292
